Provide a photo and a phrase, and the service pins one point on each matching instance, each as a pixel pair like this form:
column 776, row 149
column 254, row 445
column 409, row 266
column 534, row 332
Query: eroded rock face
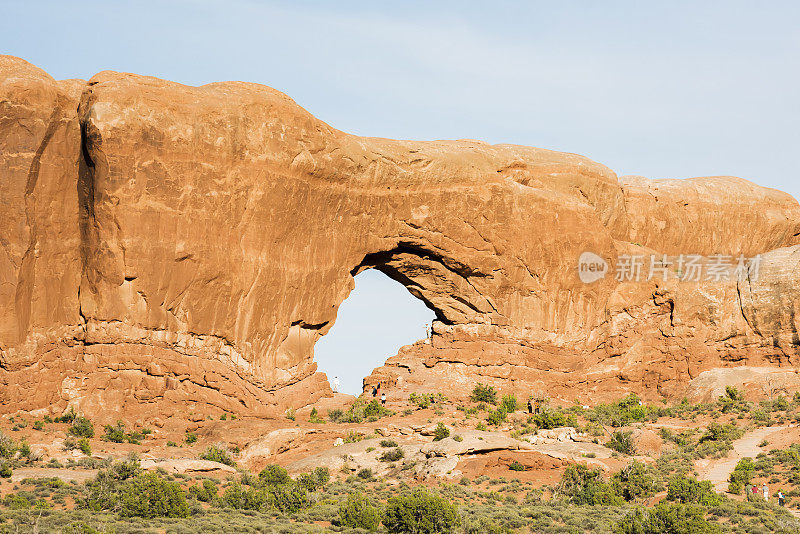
column 166, row 245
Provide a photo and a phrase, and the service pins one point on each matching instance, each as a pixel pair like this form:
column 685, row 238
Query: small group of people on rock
column 376, row 391
column 535, row 404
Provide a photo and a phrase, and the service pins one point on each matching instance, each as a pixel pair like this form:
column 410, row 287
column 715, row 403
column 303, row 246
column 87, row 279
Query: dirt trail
column 718, row 471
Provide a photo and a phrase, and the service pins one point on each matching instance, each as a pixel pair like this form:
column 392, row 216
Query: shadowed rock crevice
column 442, row 283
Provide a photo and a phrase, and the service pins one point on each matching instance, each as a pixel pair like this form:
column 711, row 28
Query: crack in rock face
column 162, row 244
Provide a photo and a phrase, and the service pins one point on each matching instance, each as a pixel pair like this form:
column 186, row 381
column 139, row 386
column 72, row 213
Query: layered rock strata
column 166, row 246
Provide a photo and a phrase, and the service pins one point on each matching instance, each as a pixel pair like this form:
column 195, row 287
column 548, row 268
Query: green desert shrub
column 717, row 440
column 24, row 448
column 150, row 496
column 392, row 455
column 315, row 480
column 125, row 469
column 719, row 432
column 321, row 476
column 741, row 476
column 353, row 437
column 314, row 417
column 8, row 447
column 687, row 490
column 497, row 417
column 733, row 400
column 359, row 512
column 387, row 443
column 274, row 475
column 516, row 466
column 82, row 427
column 620, row 413
column 67, row 417
column 440, row 432
column 104, row 491
column 216, row 453
column 422, row 400
column 484, row 393
column 581, row 485
column 622, row 442
column 359, row 411
column 289, row 498
column 667, row 518
column 5, row 469
column 509, row 403
column 420, row 512
column 485, row 525
column 265, row 493
column 549, row 418
column 336, row 415
column 634, row 482
column 375, row 409
column 761, row 417
column 115, row 433
column 205, row 492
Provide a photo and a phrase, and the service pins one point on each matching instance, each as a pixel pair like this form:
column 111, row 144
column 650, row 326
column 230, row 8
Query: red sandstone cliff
column 165, row 244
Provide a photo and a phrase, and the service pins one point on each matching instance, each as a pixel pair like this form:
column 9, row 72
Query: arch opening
column 379, row 316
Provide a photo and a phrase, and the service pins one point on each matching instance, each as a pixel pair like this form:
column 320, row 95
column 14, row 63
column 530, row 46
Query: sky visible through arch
column 659, row 89
column 367, row 331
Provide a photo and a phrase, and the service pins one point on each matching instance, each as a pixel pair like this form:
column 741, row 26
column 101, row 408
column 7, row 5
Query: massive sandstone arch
column 165, row 244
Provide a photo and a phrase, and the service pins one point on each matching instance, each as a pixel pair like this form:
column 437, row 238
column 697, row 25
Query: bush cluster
column 82, row 427
column 509, row 403
column 359, row 512
column 440, row 432
column 549, row 418
column 741, row 476
column 117, row 434
column 622, row 442
column 484, row 393
column 621, row 413
column 420, row 512
column 415, row 512
column 687, row 490
column 426, row 400
column 634, row 482
column 392, row 455
column 217, row 453
column 359, row 411
column 149, row 496
column 667, row 518
column 581, row 485
column 272, row 489
column 124, row 488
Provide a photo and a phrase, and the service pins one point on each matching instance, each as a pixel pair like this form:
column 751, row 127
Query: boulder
column 186, row 465
column 560, row 434
column 472, row 442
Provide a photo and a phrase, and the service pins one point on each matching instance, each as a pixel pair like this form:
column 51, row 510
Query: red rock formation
column 166, row 244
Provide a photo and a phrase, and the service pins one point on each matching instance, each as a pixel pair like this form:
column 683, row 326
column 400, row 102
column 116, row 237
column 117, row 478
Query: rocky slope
column 165, row 244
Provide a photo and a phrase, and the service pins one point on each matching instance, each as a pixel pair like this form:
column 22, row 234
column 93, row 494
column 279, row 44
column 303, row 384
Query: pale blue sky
column 662, row 89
